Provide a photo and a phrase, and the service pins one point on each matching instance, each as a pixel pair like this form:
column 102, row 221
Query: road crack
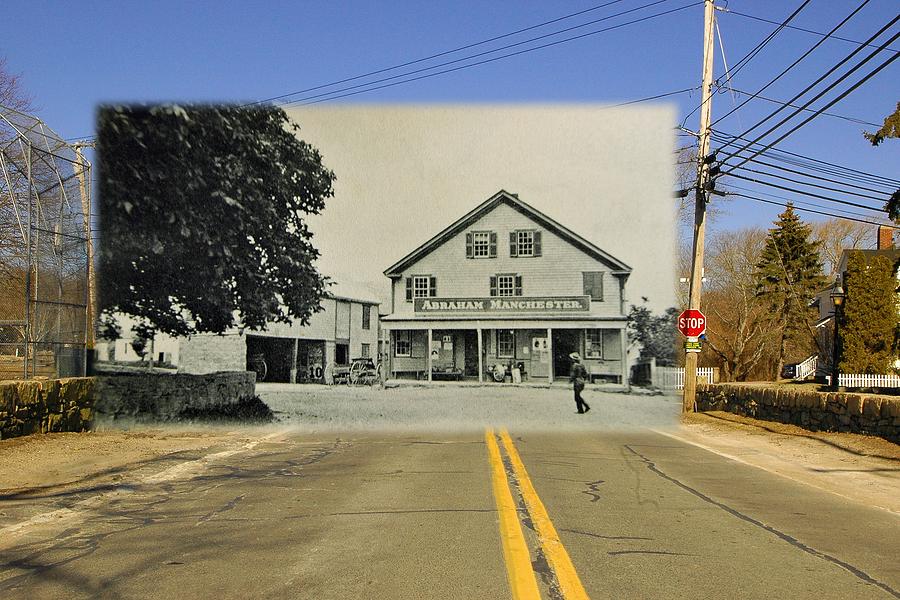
column 859, row 573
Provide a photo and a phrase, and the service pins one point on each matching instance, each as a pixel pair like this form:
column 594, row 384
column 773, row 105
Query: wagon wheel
column 259, row 366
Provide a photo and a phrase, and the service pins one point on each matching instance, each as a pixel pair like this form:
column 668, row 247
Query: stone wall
column 817, row 411
column 160, row 397
column 46, row 405
column 208, row 353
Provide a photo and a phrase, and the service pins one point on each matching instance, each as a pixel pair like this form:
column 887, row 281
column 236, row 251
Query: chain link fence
column 45, row 323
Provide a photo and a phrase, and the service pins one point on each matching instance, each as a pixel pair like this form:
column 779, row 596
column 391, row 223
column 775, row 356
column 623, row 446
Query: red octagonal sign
column 691, row 323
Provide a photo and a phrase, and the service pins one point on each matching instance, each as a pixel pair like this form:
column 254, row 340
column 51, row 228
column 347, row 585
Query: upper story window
column 367, row 317
column 420, row 286
column 481, row 244
column 508, row 284
column 593, row 285
column 525, row 243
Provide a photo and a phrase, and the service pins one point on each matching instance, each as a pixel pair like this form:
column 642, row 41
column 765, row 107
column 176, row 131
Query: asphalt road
column 602, row 514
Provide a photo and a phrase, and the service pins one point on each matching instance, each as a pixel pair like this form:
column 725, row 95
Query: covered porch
column 466, row 350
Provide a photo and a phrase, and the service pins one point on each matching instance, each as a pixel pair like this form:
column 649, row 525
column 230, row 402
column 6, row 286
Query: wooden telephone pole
column 690, row 358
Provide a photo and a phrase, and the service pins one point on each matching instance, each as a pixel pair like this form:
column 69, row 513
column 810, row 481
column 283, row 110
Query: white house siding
column 557, row 272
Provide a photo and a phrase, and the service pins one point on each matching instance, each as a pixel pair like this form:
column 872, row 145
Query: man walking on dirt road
column 577, row 376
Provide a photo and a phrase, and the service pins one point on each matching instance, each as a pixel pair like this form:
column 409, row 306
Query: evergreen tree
column 789, row 273
column 869, row 317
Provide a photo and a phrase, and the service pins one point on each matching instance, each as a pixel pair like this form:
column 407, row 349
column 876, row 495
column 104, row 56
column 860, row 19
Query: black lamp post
column 837, row 297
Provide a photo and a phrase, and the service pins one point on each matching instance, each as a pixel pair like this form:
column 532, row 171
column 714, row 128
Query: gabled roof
column 511, row 200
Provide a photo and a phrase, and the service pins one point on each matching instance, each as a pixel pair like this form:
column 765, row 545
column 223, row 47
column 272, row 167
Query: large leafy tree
column 869, row 315
column 656, row 334
column 202, row 217
column 789, row 273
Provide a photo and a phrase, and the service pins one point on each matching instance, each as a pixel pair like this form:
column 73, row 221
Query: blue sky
column 73, row 56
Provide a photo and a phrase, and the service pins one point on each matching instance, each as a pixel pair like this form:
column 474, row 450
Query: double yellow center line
column 522, row 580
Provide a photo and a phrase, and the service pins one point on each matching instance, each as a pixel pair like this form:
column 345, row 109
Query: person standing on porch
column 577, row 376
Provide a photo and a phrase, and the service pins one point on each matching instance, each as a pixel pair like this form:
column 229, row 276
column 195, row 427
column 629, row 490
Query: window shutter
column 513, row 244
column 588, row 280
column 598, row 286
column 537, row 243
column 493, row 285
column 409, row 289
column 518, row 282
column 492, row 248
column 432, row 286
column 469, row 248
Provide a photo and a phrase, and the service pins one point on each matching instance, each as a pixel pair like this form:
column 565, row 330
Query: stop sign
column 691, row 323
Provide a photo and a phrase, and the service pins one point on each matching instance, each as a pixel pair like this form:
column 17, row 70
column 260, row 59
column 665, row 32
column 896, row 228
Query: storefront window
column 593, row 343
column 506, row 343
column 401, row 343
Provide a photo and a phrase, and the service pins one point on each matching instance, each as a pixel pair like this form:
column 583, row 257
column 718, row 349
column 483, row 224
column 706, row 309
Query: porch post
column 550, row 354
column 429, row 353
column 622, row 341
column 480, row 358
column 294, row 360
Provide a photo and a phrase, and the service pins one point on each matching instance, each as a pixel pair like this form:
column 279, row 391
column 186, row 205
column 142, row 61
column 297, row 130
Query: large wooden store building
column 506, row 287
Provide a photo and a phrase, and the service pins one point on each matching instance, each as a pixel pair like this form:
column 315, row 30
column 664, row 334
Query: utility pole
column 86, row 215
column 690, row 358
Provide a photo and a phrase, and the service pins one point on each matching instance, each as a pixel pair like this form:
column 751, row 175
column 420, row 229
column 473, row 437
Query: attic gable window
column 481, row 244
column 525, row 243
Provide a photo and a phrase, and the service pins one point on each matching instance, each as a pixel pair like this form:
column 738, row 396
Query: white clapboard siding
column 868, row 381
column 557, row 272
column 672, row 378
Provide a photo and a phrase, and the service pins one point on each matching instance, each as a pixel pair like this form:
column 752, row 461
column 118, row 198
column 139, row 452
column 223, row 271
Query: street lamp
column 837, row 298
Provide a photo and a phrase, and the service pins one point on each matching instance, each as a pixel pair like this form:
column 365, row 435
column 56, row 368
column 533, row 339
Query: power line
column 812, row 31
column 804, row 193
column 793, row 64
column 815, row 185
column 817, row 177
column 749, row 56
column 826, row 90
column 815, row 164
column 792, row 200
column 827, row 214
column 460, row 49
column 331, row 95
column 758, row 48
column 783, row 103
column 827, row 106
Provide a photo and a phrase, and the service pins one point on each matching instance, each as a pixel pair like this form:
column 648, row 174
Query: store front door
column 565, row 342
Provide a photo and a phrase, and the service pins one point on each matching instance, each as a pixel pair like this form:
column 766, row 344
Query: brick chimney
column 885, row 238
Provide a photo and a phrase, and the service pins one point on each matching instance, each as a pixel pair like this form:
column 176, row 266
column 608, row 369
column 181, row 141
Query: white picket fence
column 672, row 378
column 868, row 381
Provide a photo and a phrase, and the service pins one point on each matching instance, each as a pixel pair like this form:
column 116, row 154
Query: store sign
column 516, row 304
